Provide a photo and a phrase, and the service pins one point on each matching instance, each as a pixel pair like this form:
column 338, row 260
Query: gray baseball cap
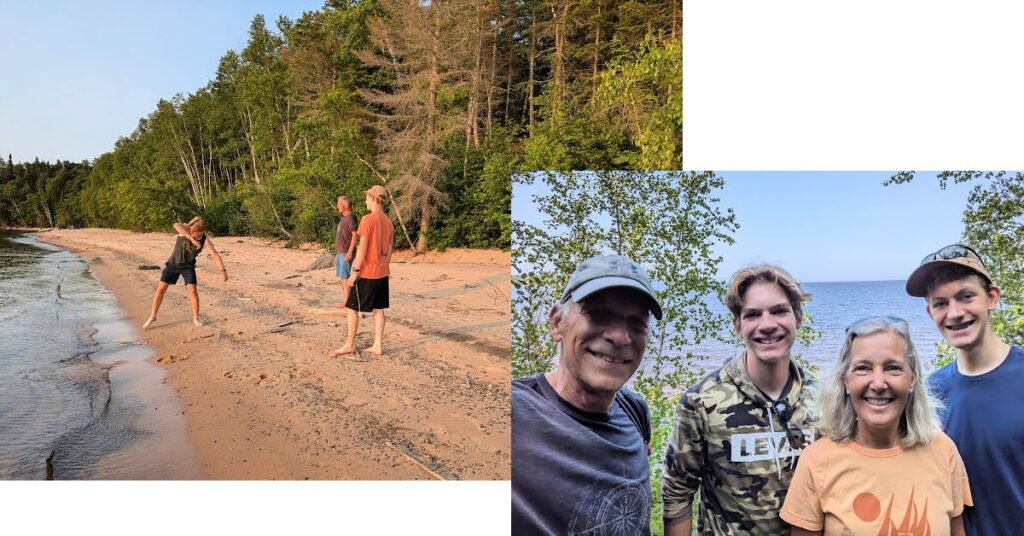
column 606, row 271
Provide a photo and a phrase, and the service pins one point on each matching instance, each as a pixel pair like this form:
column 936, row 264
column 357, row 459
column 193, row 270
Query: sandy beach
column 263, row 398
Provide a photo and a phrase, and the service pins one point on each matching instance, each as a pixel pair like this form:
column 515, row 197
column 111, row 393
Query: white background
column 865, row 85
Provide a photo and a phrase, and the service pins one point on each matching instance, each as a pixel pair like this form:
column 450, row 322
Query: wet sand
column 264, row 400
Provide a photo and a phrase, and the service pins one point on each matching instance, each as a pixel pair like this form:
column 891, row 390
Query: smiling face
column 602, row 339
column 879, row 381
column 767, row 323
column 960, row 310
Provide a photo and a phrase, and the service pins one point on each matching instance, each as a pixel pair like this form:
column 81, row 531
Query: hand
column 224, row 276
column 350, row 281
column 348, row 257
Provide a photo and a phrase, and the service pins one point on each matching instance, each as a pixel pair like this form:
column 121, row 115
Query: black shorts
column 368, row 294
column 172, row 271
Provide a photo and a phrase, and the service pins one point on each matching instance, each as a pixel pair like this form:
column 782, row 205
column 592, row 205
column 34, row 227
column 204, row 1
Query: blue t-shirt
column 984, row 416
column 576, row 472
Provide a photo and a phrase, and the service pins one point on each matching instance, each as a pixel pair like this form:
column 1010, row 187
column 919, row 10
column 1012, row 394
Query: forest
column 441, row 101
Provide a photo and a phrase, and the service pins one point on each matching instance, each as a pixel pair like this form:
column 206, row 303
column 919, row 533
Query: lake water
column 78, row 396
column 834, row 306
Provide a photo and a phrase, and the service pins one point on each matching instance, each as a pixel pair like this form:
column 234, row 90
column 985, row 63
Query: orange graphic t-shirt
column 844, row 488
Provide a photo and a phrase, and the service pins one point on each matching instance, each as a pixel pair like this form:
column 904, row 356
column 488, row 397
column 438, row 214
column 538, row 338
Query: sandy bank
column 265, row 401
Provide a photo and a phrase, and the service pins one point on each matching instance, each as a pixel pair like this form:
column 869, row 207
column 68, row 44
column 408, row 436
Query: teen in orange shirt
column 883, row 466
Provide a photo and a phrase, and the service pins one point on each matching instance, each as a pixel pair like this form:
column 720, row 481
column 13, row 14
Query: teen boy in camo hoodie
column 739, row 431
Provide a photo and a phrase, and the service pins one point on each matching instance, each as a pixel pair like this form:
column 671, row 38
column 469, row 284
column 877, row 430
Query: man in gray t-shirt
column 344, row 244
column 579, row 438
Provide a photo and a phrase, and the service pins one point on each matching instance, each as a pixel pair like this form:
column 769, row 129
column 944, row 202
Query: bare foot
column 149, row 322
column 344, row 350
column 375, row 350
column 197, row 322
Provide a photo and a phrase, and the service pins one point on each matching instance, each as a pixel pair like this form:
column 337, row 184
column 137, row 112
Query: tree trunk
column 597, row 41
column 421, row 238
column 46, row 210
column 492, row 78
column 533, row 60
column 259, row 184
column 434, row 76
column 561, row 21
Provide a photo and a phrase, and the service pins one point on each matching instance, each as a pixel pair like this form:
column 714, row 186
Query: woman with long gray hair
column 882, row 465
column 190, row 241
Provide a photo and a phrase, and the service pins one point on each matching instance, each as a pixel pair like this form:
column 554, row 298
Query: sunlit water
column 78, row 396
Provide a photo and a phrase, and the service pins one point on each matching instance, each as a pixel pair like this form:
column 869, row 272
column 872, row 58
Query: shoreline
column 156, row 415
column 262, row 398
column 106, row 414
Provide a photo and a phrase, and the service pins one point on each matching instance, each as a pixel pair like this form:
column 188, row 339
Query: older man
column 579, row 438
column 344, row 245
column 370, row 273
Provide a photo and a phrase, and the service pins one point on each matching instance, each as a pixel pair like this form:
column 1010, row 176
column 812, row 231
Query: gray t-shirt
column 184, row 253
column 576, row 472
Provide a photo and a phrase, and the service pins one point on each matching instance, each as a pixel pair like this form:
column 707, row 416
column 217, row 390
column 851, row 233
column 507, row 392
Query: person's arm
column 217, row 259
column 681, row 528
column 357, row 263
column 351, row 247
column 684, row 467
column 183, row 231
column 956, row 526
column 802, row 507
column 961, row 488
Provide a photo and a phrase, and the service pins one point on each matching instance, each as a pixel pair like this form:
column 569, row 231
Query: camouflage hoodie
column 722, row 442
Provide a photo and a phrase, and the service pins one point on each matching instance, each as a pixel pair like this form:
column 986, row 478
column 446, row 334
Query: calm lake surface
column 78, row 396
column 834, row 306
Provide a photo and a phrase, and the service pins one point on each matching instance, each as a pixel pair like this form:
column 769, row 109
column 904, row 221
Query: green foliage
column 667, row 221
column 641, row 94
column 32, row 194
column 994, row 226
column 226, row 216
column 478, row 210
column 444, row 102
column 627, row 116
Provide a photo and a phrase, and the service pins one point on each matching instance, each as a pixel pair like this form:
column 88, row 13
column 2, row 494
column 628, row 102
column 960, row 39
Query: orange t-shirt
column 376, row 229
column 844, row 488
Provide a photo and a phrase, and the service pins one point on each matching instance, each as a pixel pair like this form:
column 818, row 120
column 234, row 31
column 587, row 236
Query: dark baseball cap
column 607, row 271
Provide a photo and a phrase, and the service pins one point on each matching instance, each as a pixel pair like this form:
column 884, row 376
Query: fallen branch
column 498, row 289
column 415, row 461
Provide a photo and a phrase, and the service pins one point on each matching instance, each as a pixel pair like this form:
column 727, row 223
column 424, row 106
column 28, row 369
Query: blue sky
column 79, row 75
column 827, row 226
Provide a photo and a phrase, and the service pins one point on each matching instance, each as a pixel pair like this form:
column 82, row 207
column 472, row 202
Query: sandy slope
column 265, row 401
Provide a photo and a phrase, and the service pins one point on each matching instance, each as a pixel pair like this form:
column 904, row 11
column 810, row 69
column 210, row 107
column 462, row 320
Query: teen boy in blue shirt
column 983, row 389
